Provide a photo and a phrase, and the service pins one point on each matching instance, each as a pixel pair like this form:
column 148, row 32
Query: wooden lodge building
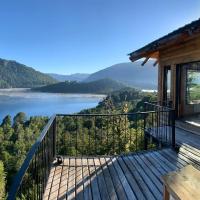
column 178, row 58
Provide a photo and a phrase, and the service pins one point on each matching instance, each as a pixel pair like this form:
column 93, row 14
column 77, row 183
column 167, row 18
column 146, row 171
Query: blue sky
column 68, row 36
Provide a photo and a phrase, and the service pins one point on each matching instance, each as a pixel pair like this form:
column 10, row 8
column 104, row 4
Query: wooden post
column 165, row 193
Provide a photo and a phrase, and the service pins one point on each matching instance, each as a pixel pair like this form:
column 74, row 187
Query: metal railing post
column 145, row 133
column 173, row 128
column 54, row 136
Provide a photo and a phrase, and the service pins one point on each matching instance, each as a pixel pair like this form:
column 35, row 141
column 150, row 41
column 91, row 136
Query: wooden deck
column 186, row 137
column 136, row 176
column 182, row 136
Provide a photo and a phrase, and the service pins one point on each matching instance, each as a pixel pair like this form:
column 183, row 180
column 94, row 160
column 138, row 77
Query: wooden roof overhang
column 176, row 37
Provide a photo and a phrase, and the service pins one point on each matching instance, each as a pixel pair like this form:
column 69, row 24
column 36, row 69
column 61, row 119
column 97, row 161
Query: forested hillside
column 102, row 86
column 16, row 75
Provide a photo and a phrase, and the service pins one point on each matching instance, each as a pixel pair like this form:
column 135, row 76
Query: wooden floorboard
column 186, row 137
column 182, row 136
column 116, row 180
column 129, row 192
column 108, row 180
column 133, row 176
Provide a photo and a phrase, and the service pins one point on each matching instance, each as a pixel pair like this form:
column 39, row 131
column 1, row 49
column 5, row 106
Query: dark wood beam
column 155, row 63
column 146, row 59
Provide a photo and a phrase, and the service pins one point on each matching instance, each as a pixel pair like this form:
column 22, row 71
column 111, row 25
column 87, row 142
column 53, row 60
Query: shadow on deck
column 136, row 176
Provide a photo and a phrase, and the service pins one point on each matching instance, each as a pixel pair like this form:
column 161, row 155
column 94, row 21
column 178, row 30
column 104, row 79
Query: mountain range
column 130, row 74
column 16, row 75
column 72, row 77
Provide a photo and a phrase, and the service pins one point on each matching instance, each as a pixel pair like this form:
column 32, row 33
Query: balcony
column 101, row 156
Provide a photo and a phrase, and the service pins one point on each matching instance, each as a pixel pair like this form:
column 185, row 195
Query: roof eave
column 179, row 36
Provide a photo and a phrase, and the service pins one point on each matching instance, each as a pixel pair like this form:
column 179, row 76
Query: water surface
column 13, row 101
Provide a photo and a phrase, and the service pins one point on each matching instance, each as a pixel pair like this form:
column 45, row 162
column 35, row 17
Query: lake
column 13, row 101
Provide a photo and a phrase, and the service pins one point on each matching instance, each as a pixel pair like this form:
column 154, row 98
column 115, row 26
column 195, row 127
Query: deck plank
column 129, row 192
column 86, row 175
column 71, row 180
column 143, row 186
column 133, row 176
column 56, row 183
column 100, row 178
column 148, row 172
column 49, row 183
column 116, row 181
column 171, row 155
column 93, row 180
column 131, row 179
column 64, row 180
column 79, row 180
column 183, row 136
column 108, row 180
column 150, row 164
column 168, row 166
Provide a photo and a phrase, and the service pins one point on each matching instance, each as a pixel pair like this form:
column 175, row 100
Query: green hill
column 16, row 75
column 102, row 86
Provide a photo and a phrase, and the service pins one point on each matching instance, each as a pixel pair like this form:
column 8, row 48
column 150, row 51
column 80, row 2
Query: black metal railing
column 89, row 135
column 31, row 179
column 166, row 103
column 100, row 134
column 160, row 123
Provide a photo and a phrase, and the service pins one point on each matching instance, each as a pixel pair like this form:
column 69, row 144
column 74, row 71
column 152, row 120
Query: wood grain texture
column 183, row 184
column 136, row 176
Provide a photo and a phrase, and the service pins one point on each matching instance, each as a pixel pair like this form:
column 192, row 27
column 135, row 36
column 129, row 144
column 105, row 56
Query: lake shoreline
column 13, row 101
column 29, row 90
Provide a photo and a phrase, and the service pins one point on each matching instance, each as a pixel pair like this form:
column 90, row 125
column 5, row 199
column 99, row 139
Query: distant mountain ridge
column 102, row 86
column 16, row 75
column 131, row 74
column 72, row 77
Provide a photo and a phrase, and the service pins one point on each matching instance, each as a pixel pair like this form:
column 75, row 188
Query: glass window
column 193, row 85
column 167, row 84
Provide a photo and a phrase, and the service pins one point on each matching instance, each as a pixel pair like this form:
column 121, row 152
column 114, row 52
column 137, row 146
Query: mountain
column 102, row 86
column 73, row 77
column 16, row 75
column 131, row 74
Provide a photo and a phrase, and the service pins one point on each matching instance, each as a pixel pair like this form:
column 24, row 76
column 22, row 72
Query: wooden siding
column 185, row 52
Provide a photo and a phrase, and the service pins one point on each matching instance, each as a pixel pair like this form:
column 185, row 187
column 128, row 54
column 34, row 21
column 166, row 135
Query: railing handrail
column 159, row 106
column 115, row 114
column 20, row 174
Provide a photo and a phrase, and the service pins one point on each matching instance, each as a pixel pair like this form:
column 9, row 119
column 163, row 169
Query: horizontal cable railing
column 86, row 135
